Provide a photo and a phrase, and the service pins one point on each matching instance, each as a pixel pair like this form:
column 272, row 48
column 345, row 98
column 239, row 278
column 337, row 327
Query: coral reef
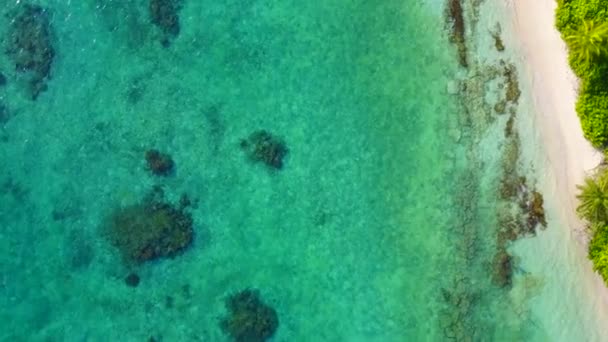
column 455, row 18
column 29, row 45
column 149, row 230
column 509, row 126
column 261, row 146
column 456, row 323
column 132, row 280
column 164, row 14
column 510, row 75
column 510, row 182
column 510, row 228
column 500, row 107
column 249, row 318
column 503, row 268
column 522, row 216
column 159, row 163
column 498, row 44
column 521, row 210
column 535, row 211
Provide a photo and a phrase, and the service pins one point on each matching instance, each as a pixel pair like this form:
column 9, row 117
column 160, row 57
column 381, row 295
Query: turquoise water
column 379, row 226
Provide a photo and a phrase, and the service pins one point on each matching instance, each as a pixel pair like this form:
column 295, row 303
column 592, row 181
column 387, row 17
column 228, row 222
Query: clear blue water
column 378, row 227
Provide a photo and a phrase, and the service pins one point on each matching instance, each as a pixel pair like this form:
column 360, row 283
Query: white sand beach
column 554, row 87
column 569, row 155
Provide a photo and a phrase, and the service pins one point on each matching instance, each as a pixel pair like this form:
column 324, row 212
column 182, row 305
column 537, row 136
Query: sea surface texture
column 316, row 153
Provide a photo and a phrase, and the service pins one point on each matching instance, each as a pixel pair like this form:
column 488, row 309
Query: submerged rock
column 498, row 43
column 132, row 280
column 510, row 75
column 249, row 318
column 509, row 130
column 455, row 18
column 164, row 14
column 29, row 45
column 500, row 107
column 536, row 211
column 159, row 163
column 454, row 319
column 261, row 146
column 149, row 230
column 502, row 268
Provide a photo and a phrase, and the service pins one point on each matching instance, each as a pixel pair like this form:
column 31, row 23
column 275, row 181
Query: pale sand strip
column 570, row 156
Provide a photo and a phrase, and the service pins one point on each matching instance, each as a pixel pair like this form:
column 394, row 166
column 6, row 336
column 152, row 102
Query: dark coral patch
column 149, row 230
column 164, row 14
column 498, row 44
column 536, row 211
column 29, row 45
column 159, row 163
column 249, row 318
column 261, row 146
column 455, row 16
column 502, row 268
column 132, row 280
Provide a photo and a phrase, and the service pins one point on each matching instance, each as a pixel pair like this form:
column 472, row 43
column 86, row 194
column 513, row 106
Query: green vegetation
column 593, row 199
column 588, row 43
column 593, row 207
column 598, row 252
column 584, row 27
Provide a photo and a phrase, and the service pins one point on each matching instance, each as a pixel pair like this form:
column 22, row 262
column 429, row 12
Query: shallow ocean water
column 377, row 228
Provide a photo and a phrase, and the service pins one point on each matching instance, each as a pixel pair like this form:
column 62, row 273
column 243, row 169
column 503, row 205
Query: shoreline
column 569, row 157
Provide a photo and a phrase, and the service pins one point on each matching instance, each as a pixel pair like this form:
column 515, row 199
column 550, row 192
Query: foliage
column 593, row 198
column 584, row 26
column 592, row 109
column 598, row 252
column 589, row 41
column 593, row 207
column 570, row 13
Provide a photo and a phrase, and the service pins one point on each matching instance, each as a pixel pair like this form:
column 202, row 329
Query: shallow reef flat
column 178, row 170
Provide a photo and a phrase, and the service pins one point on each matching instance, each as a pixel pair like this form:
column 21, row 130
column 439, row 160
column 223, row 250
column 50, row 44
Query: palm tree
column 593, row 199
column 596, row 228
column 590, row 41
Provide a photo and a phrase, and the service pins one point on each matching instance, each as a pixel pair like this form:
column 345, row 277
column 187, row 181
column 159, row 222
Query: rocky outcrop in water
column 29, row 46
column 164, row 14
column 160, row 164
column 263, row 147
column 249, row 319
column 455, row 18
column 149, row 230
